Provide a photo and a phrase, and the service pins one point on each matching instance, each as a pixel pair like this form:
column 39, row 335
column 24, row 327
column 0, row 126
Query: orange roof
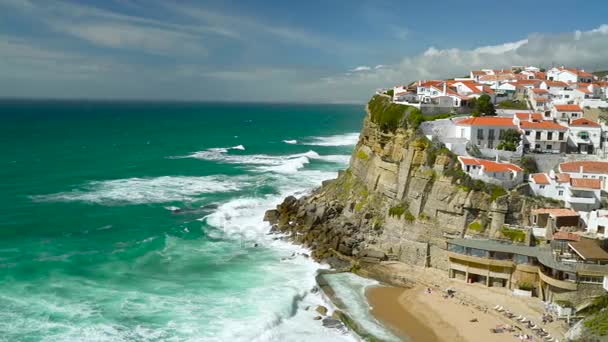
column 588, row 166
column 584, row 90
column 548, row 125
column 562, row 177
column 527, row 116
column 539, row 91
column 540, row 178
column 540, row 99
column 586, row 183
column 557, row 212
column 568, row 108
column 584, row 122
column 490, row 166
column 478, row 72
column 556, row 84
column 487, row 121
column 566, row 236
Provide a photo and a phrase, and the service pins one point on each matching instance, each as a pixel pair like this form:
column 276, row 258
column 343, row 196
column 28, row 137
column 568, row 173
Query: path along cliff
column 401, row 198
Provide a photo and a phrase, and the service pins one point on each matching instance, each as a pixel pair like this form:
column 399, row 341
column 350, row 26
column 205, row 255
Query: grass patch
column 497, row 191
column 398, row 210
column 362, row 155
column 525, row 286
column 514, row 235
column 476, row 227
column 510, row 104
column 387, row 115
column 598, row 323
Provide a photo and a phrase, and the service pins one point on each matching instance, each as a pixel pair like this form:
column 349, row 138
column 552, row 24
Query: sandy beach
column 430, row 317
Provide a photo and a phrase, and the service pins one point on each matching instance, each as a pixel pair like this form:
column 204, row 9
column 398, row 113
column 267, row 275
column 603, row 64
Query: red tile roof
column 568, row 108
column 558, row 212
column 588, row 166
column 566, row 236
column 540, row 99
column 586, row 183
column 556, row 84
column 540, row 178
column 562, row 177
column 490, row 166
column 527, row 116
column 539, row 91
column 548, row 125
column 584, row 122
column 487, row 121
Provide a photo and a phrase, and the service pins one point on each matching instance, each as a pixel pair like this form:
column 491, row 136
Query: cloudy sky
column 284, row 51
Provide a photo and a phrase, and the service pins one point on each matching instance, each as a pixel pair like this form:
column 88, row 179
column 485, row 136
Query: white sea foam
column 238, row 147
column 291, row 142
column 348, row 139
column 147, row 190
column 263, row 162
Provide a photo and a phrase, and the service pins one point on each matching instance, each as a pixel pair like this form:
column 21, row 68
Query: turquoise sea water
column 94, row 247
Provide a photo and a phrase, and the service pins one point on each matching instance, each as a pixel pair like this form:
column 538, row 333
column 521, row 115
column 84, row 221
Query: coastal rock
column 272, row 216
column 318, row 318
column 400, row 199
column 332, row 323
column 322, row 310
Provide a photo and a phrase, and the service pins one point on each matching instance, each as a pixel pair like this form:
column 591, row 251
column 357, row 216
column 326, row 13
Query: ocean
column 142, row 221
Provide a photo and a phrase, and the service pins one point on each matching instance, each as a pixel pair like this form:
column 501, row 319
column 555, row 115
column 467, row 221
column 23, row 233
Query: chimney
column 529, row 116
column 419, row 83
column 445, row 86
column 580, row 169
column 497, row 157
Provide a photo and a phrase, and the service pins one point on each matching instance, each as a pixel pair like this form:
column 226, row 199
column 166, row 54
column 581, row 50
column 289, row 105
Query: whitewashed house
column 543, row 136
column 553, row 87
column 596, row 222
column 484, row 131
column 505, row 174
column 566, row 112
column 584, row 136
column 587, row 169
column 579, row 194
column 569, row 75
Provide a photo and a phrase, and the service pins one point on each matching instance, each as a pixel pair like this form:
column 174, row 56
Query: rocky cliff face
column 400, row 198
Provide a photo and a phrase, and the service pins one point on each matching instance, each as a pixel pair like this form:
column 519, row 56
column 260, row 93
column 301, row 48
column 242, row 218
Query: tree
column 483, row 106
column 509, row 140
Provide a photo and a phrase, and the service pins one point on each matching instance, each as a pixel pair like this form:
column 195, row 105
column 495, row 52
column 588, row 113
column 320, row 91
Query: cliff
column 401, row 197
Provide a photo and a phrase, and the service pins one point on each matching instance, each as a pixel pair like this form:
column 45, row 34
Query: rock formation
column 401, row 197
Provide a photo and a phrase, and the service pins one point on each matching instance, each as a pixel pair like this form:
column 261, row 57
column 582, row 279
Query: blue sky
column 306, row 51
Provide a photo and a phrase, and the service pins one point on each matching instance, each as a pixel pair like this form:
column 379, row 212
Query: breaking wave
column 147, row 190
column 348, row 139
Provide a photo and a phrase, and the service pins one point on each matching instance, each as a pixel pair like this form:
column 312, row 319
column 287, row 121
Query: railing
column 480, row 260
column 580, row 200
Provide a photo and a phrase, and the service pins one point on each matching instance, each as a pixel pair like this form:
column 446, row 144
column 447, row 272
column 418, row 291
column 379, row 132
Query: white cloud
column 586, row 49
column 361, row 68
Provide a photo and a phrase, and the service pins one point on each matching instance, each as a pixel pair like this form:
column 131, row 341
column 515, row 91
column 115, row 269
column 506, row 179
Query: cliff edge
column 401, row 198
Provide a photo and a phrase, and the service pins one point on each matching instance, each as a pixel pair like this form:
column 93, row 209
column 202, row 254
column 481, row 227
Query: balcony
column 579, row 200
column 561, row 284
column 482, row 261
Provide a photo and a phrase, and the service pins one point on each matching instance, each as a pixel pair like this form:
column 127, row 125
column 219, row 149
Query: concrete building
column 484, row 131
column 580, row 194
column 587, row 169
column 584, row 136
column 566, row 112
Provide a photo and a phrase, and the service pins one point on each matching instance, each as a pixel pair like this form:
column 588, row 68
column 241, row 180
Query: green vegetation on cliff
column 387, row 115
column 514, row 235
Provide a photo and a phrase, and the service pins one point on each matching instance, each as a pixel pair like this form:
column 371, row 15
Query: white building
column 584, row 136
column 553, row 87
column 484, row 131
column 587, row 169
column 505, row 174
column 566, row 112
column 580, row 194
column 569, row 75
column 544, row 136
column 596, row 222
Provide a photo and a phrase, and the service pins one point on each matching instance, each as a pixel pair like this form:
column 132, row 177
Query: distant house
column 555, row 217
column 553, row 87
column 539, row 98
column 585, row 136
column 484, row 131
column 569, row 75
column 505, row 174
column 566, row 112
column 587, row 169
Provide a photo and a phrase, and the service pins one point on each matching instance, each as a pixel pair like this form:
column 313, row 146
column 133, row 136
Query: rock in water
column 322, row 310
column 332, row 323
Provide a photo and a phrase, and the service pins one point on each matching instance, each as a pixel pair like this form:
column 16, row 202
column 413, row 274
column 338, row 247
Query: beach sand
column 430, row 317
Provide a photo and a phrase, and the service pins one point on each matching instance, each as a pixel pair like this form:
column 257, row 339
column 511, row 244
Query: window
column 590, row 279
column 491, row 134
column 541, row 187
column 501, row 134
column 528, row 133
column 574, row 115
column 537, row 146
column 480, row 134
column 549, row 147
column 561, row 135
column 583, row 135
column 560, row 193
column 549, row 135
column 537, row 135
